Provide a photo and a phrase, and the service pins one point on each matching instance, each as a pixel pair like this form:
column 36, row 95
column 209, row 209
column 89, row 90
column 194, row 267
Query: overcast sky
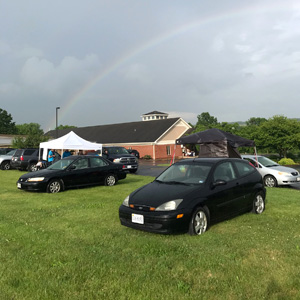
column 105, row 62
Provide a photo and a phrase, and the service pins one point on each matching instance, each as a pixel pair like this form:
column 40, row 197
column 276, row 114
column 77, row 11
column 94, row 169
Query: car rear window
column 18, row 152
column 29, row 151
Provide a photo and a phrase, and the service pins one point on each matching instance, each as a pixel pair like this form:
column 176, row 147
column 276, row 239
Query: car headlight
column 171, row 205
column 284, row 173
column 126, row 201
column 35, row 179
column 116, row 160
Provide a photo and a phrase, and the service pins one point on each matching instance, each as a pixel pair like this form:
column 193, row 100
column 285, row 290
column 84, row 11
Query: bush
column 286, row 161
column 147, row 156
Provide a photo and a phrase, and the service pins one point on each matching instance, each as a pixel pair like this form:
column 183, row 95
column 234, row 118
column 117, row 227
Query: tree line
column 274, row 135
column 277, row 134
column 29, row 135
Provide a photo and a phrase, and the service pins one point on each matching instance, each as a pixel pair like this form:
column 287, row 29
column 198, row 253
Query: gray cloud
column 110, row 62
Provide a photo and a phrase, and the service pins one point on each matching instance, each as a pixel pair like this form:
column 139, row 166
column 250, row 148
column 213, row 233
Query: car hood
column 121, row 155
column 156, row 193
column 40, row 173
column 283, row 169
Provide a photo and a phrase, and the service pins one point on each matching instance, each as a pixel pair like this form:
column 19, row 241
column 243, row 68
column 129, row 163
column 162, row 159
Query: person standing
column 51, row 156
column 66, row 153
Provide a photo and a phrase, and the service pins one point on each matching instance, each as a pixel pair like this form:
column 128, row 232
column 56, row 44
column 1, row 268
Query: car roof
column 212, row 160
column 251, row 156
column 80, row 156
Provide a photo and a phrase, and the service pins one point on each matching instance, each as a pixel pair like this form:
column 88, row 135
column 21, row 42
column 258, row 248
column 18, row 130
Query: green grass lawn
column 71, row 246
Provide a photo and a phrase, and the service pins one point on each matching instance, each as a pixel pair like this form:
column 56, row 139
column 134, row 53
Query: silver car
column 272, row 173
column 5, row 160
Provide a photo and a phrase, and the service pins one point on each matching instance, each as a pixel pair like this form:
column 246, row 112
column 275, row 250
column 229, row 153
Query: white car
column 5, row 160
column 272, row 173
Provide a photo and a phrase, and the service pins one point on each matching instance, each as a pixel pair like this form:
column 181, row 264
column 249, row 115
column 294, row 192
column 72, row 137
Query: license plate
column 19, row 185
column 128, row 167
column 137, row 219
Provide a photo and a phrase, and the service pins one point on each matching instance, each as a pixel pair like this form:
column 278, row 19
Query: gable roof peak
column 154, row 115
column 155, row 112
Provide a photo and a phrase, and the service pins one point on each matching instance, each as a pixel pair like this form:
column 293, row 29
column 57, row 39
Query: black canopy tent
column 216, row 143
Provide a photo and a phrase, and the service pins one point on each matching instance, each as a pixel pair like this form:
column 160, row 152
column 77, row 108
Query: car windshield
column 61, row 164
column 185, row 173
column 117, row 150
column 266, row 162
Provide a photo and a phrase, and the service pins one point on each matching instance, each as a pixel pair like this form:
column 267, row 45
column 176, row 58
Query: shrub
column 286, row 161
column 147, row 156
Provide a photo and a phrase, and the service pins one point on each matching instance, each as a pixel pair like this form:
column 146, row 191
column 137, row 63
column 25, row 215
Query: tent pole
column 173, row 158
column 255, row 152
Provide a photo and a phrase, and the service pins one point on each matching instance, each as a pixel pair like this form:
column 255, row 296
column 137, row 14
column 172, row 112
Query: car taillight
column 124, row 167
column 22, row 158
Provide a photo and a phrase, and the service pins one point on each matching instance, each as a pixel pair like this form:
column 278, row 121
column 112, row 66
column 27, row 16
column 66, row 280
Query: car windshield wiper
column 176, row 182
column 269, row 166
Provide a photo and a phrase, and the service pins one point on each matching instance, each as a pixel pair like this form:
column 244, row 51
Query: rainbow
column 147, row 45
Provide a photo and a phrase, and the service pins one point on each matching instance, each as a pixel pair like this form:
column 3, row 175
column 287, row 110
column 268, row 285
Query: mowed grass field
column 71, row 246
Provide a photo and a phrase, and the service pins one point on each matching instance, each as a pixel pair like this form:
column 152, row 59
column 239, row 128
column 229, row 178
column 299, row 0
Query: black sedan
column 73, row 171
column 192, row 194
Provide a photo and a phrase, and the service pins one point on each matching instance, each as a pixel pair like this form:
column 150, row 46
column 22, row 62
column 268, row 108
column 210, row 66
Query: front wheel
column 110, row 180
column 270, row 181
column 6, row 165
column 199, row 222
column 54, row 186
column 32, row 167
column 258, row 204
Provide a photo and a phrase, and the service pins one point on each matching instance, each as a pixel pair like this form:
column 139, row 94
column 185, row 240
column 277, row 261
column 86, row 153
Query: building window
column 168, row 150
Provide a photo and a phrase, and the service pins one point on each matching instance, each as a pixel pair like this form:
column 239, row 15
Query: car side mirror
column 218, row 182
column 72, row 168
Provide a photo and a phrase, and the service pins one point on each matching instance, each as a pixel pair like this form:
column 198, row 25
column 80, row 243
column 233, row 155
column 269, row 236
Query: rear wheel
column 199, row 222
column 258, row 204
column 5, row 165
column 110, row 180
column 54, row 186
column 270, row 181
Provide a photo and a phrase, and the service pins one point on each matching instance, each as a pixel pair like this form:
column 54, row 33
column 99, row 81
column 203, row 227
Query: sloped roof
column 133, row 132
column 155, row 112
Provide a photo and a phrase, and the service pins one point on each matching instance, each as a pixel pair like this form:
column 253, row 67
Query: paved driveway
column 151, row 167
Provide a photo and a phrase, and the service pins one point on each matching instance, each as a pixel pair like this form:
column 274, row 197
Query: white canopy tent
column 69, row 141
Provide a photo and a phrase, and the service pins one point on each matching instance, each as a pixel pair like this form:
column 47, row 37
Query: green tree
column 7, row 126
column 65, row 127
column 33, row 135
column 205, row 121
column 279, row 134
column 255, row 121
column 30, row 141
column 233, row 128
column 29, row 129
